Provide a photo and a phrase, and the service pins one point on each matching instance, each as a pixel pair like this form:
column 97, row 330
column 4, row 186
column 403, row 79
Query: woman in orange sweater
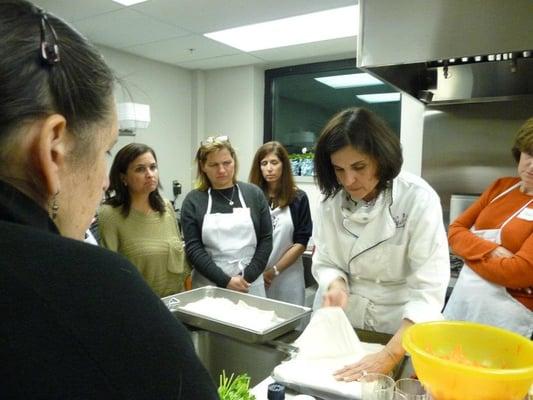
column 495, row 238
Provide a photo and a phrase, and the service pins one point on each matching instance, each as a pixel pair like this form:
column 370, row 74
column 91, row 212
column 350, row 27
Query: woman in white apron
column 291, row 223
column 226, row 225
column 495, row 238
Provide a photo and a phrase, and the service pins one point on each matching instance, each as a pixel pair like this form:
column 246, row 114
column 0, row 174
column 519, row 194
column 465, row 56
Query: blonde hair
column 208, row 147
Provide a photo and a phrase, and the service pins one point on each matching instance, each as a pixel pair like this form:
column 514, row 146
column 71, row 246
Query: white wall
column 411, row 134
column 233, row 106
column 187, row 106
column 168, row 91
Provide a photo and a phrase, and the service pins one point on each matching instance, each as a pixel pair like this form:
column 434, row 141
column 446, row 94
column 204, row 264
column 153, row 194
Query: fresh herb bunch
column 234, row 388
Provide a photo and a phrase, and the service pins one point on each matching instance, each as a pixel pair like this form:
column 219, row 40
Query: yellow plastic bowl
column 459, row 360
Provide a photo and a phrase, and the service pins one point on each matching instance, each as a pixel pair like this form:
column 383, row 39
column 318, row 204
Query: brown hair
column 118, row 194
column 207, row 147
column 364, row 131
column 523, row 142
column 287, row 188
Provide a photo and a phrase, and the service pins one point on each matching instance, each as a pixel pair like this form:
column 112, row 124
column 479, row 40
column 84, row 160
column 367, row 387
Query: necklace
column 230, row 200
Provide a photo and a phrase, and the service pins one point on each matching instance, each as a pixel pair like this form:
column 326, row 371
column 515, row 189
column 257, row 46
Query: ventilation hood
column 449, row 51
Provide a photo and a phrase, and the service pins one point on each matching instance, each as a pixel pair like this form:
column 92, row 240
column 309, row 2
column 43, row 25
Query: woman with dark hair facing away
column 78, row 321
column 138, row 223
column 291, row 223
column 381, row 250
column 226, row 224
column 494, row 236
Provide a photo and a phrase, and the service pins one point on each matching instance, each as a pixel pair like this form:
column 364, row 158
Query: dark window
column 297, row 105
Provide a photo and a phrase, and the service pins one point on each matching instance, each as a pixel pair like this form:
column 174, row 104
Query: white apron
column 230, row 240
column 289, row 286
column 475, row 299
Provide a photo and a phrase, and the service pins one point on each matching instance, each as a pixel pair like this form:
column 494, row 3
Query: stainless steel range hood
column 449, row 51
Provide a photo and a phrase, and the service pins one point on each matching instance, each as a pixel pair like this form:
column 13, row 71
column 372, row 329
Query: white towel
column 327, row 344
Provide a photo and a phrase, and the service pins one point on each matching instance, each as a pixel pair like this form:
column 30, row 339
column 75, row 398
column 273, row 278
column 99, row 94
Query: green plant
column 234, row 388
column 301, row 156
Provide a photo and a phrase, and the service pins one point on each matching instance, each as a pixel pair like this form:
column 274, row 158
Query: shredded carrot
column 457, row 355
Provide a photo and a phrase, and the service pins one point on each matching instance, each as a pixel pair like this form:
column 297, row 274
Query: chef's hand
column 268, row 276
column 500, row 251
column 382, row 362
column 239, row 284
column 337, row 295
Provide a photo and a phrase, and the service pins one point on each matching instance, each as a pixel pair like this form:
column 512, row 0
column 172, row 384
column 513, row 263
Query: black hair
column 364, row 131
column 118, row 195
column 69, row 78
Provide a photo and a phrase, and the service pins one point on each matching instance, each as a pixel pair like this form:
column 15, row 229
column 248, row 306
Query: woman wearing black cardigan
column 78, row 321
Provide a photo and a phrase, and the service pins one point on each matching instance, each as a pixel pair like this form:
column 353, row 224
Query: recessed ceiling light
column 349, row 80
column 323, row 25
column 129, row 2
column 379, row 97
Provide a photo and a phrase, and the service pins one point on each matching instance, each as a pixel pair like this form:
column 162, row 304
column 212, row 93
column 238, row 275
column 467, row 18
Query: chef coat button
column 357, row 277
column 378, row 280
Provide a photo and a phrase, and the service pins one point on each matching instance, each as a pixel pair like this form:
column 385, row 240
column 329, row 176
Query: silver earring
column 54, row 207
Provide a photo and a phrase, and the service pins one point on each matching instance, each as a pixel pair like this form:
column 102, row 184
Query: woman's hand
column 337, row 295
column 268, row 276
column 500, row 251
column 382, row 362
column 239, row 284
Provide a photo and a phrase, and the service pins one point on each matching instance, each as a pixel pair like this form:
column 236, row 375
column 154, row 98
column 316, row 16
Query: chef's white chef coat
column 395, row 258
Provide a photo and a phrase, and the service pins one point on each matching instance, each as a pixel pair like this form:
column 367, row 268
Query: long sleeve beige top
column 150, row 242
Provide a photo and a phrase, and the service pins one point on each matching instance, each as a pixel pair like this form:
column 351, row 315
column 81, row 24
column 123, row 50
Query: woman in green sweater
column 138, row 223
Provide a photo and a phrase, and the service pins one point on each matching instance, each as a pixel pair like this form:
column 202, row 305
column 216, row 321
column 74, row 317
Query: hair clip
column 49, row 51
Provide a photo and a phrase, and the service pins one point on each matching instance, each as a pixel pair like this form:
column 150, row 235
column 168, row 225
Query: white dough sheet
column 327, row 344
column 240, row 313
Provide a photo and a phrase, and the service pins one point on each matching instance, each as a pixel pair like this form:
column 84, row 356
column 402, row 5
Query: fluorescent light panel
column 350, row 80
column 379, row 97
column 129, row 2
column 314, row 27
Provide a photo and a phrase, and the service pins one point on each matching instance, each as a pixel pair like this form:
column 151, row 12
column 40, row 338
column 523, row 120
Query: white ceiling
column 171, row 31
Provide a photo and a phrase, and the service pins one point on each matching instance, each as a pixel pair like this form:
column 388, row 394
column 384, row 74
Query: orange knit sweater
column 515, row 273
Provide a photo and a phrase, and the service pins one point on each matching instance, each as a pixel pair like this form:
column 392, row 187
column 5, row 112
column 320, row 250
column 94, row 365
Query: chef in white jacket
column 381, row 248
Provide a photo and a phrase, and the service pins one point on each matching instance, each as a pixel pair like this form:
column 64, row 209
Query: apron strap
column 209, row 201
column 516, row 213
column 241, row 197
column 506, row 191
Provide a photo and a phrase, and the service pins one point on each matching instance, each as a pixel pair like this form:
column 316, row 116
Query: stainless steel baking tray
column 291, row 314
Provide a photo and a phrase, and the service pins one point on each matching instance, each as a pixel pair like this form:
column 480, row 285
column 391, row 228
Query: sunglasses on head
column 213, row 139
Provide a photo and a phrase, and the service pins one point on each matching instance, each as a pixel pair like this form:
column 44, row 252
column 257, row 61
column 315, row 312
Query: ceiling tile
column 177, row 50
column 222, row 62
column 326, row 47
column 75, row 10
column 125, row 28
column 164, row 30
column 202, row 16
